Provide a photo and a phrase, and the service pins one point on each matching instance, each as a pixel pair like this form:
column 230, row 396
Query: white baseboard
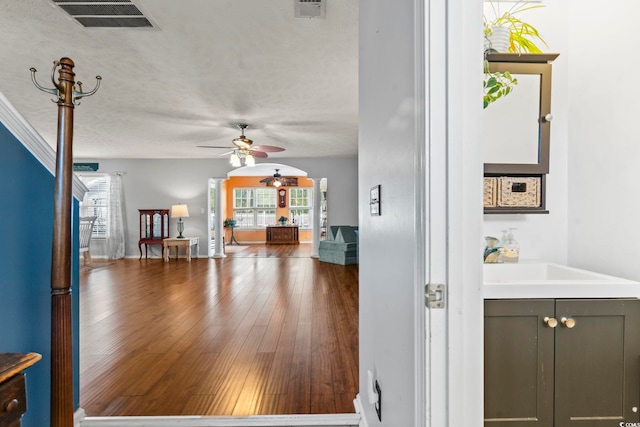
column 357, row 402
column 320, row 420
column 78, row 417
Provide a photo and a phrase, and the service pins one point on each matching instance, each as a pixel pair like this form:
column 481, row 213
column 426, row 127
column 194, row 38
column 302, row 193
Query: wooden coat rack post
column 61, row 322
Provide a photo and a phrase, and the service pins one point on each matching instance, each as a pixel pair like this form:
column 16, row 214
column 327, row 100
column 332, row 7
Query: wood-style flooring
column 267, row 330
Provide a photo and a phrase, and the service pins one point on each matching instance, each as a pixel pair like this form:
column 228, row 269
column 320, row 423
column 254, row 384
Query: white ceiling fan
column 244, row 150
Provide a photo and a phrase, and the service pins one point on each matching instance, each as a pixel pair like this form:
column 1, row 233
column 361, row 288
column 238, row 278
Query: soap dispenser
column 511, row 248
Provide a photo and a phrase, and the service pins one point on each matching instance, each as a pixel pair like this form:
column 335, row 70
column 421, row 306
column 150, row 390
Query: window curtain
column 115, row 241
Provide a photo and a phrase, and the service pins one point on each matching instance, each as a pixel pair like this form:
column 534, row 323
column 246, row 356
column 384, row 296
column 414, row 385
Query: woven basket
column 490, row 192
column 529, row 198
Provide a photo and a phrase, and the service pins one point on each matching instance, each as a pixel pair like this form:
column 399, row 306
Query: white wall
column 389, row 156
column 604, row 149
column 157, row 184
column 595, row 142
column 545, row 236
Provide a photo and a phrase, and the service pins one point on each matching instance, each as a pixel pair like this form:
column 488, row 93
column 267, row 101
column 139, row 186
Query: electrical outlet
column 371, row 390
column 378, row 405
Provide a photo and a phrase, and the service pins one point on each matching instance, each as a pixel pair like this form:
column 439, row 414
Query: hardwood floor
column 267, row 330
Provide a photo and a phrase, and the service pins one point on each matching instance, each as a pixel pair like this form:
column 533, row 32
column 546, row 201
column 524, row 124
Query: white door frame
column 454, row 202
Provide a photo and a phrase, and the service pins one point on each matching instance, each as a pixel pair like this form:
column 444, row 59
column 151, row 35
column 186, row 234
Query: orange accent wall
column 249, row 236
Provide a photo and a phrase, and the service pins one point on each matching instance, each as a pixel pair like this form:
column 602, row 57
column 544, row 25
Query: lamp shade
column 179, row 211
column 234, row 160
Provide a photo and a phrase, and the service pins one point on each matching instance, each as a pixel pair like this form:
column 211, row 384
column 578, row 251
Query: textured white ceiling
column 208, row 65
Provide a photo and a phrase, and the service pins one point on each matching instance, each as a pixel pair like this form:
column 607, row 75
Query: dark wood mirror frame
column 531, row 64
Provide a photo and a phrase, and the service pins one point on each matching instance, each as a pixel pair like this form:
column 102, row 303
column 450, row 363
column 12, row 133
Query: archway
column 303, row 208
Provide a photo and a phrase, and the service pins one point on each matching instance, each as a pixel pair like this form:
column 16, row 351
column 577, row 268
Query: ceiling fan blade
column 266, row 180
column 212, row 146
column 226, row 154
column 268, row 148
column 260, row 154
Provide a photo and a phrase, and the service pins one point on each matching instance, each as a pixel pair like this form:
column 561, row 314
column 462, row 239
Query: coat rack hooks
column 58, row 89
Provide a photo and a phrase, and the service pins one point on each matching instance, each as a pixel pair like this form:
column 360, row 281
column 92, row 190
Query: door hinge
column 434, row 295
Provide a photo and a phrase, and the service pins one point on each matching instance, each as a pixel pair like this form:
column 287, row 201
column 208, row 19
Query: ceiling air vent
column 104, row 14
column 309, row 8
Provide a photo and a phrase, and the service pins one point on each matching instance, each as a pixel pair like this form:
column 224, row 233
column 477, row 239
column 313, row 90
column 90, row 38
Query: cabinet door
column 597, row 360
column 518, row 363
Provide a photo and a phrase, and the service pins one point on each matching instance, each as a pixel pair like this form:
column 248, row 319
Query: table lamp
column 180, row 211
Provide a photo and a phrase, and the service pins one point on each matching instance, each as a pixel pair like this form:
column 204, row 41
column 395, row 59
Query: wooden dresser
column 282, row 235
column 13, row 392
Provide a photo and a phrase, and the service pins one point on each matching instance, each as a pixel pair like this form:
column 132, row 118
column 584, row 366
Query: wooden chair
column 86, row 230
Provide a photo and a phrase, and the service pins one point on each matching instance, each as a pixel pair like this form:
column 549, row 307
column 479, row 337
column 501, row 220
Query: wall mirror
column 517, row 128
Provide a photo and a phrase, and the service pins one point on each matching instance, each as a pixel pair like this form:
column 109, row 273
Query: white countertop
column 539, row 279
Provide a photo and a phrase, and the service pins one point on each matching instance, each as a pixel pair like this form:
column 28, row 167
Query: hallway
column 266, row 330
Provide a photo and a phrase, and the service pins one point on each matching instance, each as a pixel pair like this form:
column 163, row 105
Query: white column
column 219, row 229
column 316, row 218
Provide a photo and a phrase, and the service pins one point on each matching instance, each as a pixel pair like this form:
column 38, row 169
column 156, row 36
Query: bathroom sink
column 547, row 280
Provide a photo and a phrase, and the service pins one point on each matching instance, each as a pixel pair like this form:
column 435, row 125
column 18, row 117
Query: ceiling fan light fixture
column 243, row 142
column 243, row 151
column 234, row 160
column 277, row 183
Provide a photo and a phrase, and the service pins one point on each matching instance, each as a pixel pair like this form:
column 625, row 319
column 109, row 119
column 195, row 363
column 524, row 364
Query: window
column 300, row 206
column 96, row 202
column 254, row 207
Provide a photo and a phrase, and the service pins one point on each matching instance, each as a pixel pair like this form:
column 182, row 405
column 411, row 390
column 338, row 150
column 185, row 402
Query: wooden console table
column 13, row 391
column 186, row 242
column 282, row 235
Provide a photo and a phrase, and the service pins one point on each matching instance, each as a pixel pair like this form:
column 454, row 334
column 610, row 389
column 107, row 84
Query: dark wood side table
column 13, row 391
column 233, row 237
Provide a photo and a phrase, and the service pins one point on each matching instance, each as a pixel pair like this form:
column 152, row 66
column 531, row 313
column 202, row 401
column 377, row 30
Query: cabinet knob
column 634, row 409
column 11, row 405
column 568, row 322
column 548, row 117
column 551, row 322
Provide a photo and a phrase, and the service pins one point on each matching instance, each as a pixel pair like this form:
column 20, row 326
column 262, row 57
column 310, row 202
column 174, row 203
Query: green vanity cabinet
column 518, row 363
column 562, row 362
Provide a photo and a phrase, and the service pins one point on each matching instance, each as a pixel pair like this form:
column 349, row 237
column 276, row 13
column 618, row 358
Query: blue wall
column 26, row 226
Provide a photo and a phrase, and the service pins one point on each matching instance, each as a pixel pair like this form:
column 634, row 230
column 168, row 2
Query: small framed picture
column 374, row 200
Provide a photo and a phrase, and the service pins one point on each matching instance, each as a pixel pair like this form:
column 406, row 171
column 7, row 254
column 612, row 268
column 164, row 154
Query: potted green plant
column 496, row 85
column 283, row 220
column 229, row 222
column 522, row 36
column 518, row 37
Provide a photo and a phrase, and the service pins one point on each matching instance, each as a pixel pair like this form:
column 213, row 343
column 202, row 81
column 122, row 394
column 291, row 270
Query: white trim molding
column 320, row 420
column 357, row 402
column 34, row 142
column 78, row 417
